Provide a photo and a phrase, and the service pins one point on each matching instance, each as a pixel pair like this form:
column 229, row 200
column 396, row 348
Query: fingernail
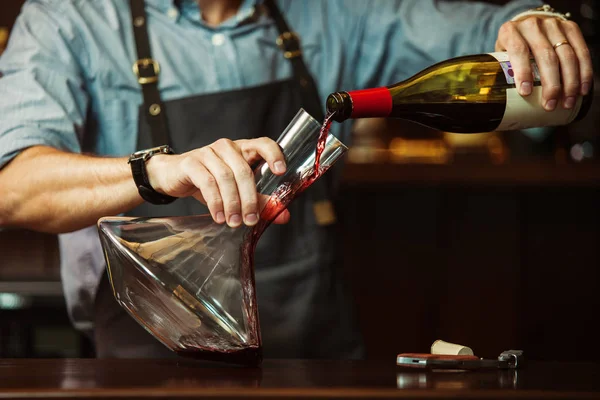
column 569, row 102
column 279, row 167
column 585, row 88
column 550, row 105
column 526, row 88
column 251, row 219
column 235, row 219
column 220, row 217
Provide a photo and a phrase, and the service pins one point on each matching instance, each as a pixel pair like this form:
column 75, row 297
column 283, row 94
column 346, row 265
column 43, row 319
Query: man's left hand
column 565, row 70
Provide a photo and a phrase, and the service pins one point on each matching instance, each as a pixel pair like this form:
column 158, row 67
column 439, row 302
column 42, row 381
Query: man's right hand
column 219, row 176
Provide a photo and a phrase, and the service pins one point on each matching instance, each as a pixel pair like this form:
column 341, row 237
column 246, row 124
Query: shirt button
column 218, row 39
column 173, row 13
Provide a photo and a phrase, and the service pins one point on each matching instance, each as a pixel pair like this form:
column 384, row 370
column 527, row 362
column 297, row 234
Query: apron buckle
column 324, row 212
column 289, row 42
column 149, row 68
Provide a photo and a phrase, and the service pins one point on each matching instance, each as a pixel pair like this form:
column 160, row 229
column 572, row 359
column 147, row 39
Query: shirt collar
column 247, row 9
column 161, row 5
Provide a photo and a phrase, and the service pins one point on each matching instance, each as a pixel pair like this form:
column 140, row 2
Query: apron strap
column 289, row 42
column 146, row 70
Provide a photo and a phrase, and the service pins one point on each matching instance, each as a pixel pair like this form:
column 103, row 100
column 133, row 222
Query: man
column 69, row 106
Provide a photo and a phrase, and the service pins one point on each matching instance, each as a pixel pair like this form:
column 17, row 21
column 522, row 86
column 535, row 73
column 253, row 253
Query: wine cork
column 441, row 347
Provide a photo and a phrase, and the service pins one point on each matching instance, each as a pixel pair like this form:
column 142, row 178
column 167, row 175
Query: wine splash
column 321, row 141
column 286, row 192
column 280, row 198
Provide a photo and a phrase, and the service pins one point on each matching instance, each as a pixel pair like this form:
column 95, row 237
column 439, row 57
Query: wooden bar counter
column 182, row 379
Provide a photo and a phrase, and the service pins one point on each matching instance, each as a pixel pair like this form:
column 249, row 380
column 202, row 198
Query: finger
column 546, row 59
column 511, row 40
column 273, row 209
column 230, row 153
column 575, row 38
column 266, row 149
column 198, row 196
column 225, row 180
column 208, row 191
column 282, row 218
column 569, row 64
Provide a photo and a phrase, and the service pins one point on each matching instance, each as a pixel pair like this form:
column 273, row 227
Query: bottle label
column 508, row 69
column 527, row 112
column 524, row 112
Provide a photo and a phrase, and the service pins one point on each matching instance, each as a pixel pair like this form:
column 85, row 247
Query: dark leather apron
column 303, row 308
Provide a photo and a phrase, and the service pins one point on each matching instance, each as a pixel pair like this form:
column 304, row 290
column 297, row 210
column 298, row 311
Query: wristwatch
column 140, row 176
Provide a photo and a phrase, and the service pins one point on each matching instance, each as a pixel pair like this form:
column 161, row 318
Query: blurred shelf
column 28, row 256
column 534, row 174
column 33, row 288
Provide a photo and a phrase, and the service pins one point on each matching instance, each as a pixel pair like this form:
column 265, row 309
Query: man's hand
column 565, row 70
column 219, row 175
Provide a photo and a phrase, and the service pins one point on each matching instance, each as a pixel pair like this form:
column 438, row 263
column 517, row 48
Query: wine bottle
column 466, row 94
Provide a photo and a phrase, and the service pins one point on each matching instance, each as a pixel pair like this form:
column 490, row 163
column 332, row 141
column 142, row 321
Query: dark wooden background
column 492, row 263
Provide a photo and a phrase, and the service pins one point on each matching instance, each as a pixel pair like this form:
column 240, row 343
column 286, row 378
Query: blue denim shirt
column 66, row 78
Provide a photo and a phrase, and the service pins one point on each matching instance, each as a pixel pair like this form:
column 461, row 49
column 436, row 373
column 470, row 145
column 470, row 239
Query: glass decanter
column 190, row 281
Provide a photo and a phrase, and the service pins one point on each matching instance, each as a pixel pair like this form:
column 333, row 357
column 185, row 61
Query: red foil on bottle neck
column 371, row 103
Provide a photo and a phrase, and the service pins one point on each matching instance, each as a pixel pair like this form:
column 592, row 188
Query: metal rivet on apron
column 138, row 21
column 303, row 82
column 154, row 109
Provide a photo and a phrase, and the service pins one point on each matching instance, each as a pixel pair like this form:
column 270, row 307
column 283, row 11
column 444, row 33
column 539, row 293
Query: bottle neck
column 367, row 103
column 371, row 103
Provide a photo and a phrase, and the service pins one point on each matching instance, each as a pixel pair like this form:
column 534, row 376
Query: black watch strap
column 140, row 175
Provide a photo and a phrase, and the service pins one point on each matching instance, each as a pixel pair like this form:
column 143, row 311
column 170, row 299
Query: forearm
column 48, row 190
